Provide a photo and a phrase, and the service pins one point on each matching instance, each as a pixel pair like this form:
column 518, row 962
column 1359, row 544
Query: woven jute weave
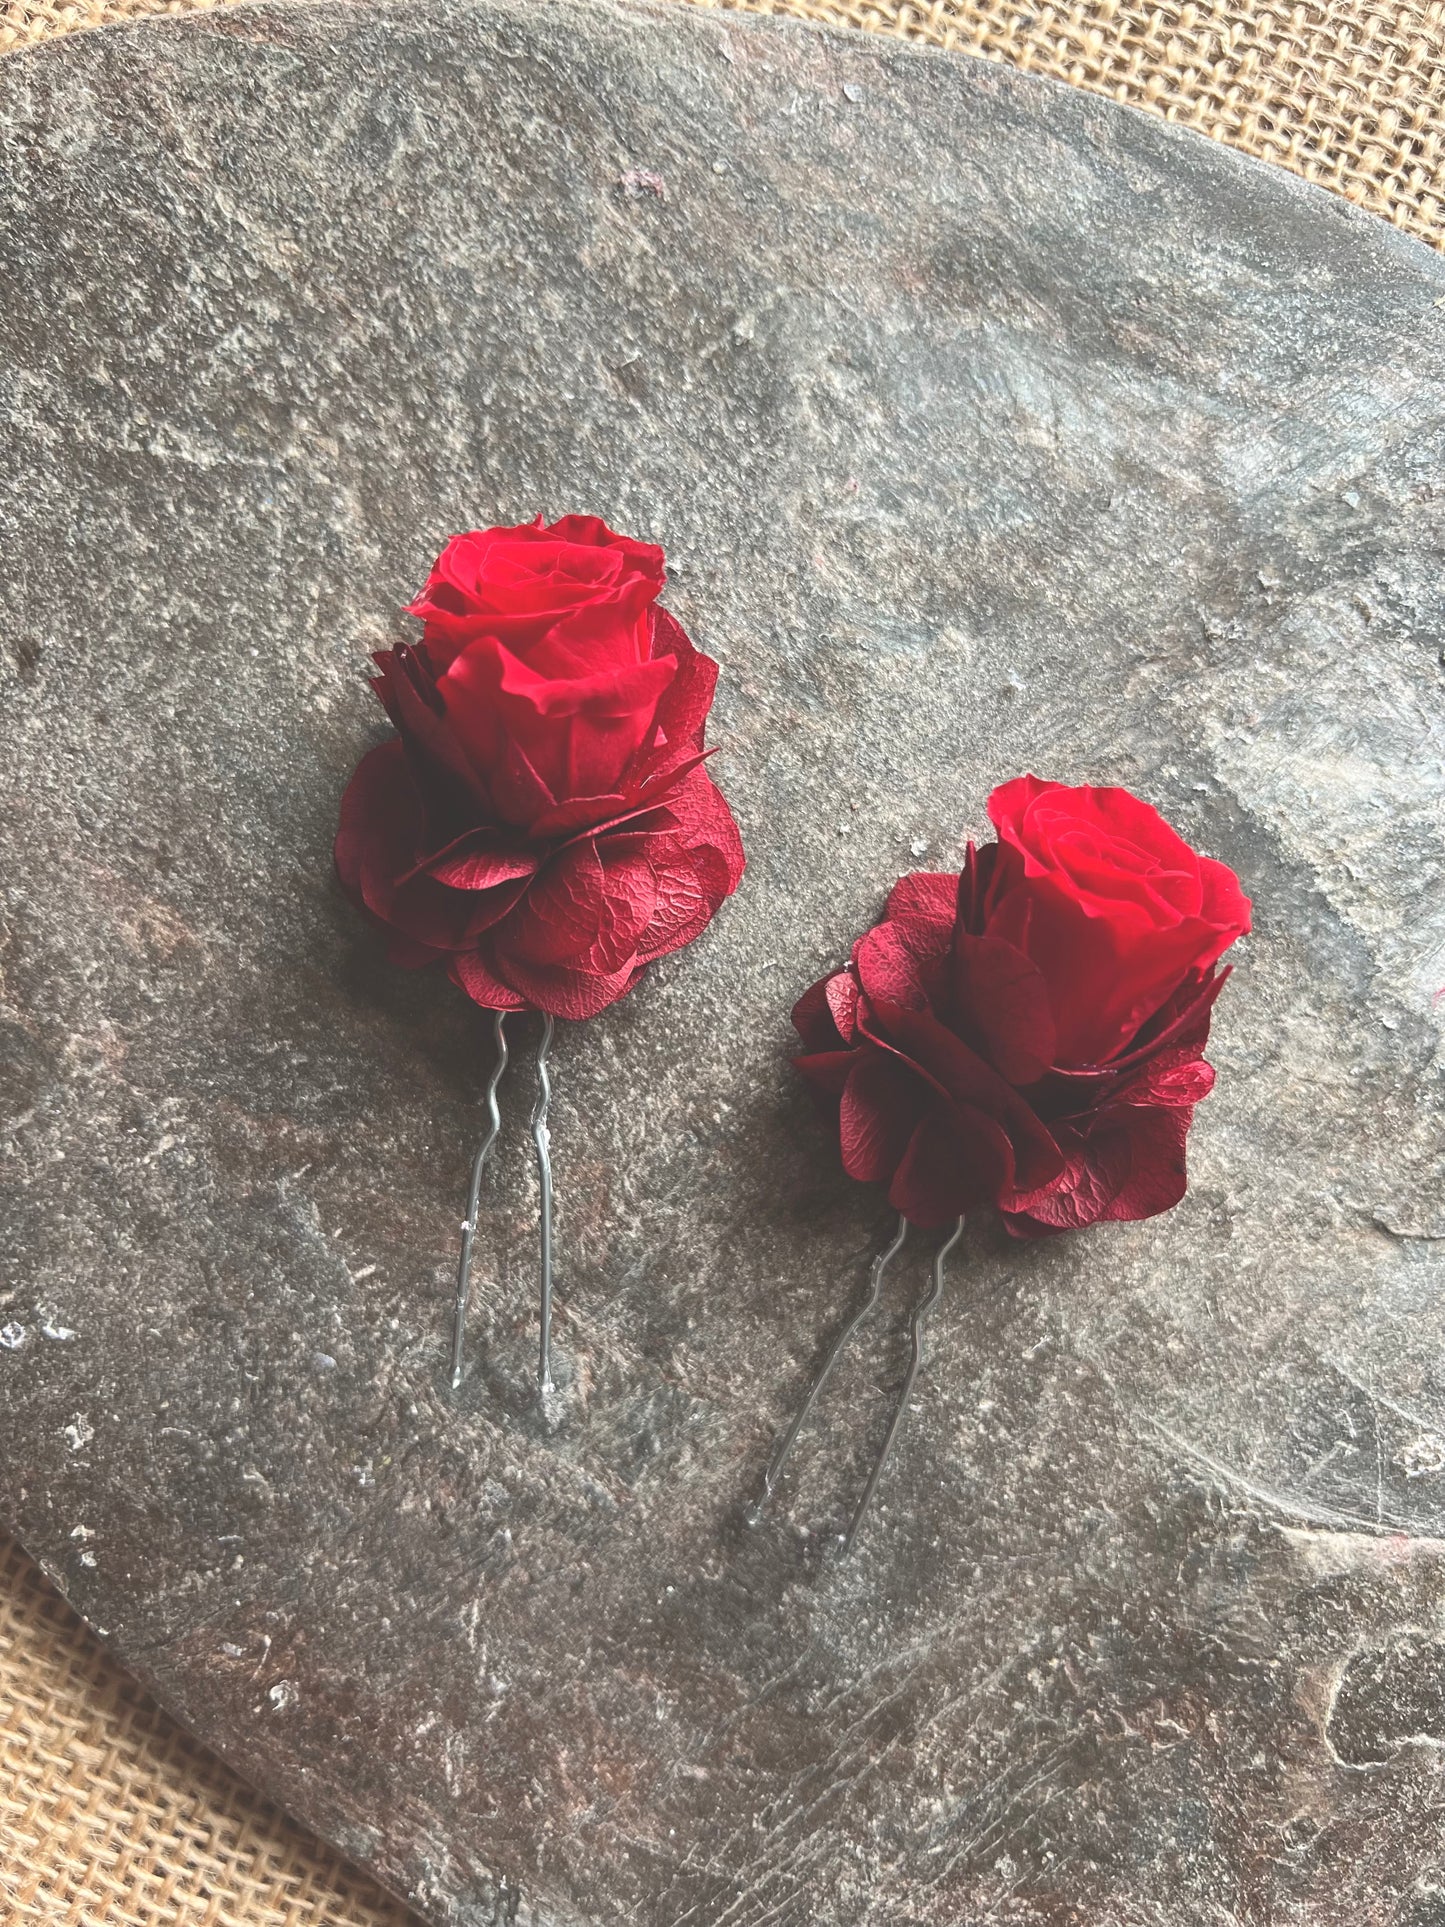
column 109, row 1815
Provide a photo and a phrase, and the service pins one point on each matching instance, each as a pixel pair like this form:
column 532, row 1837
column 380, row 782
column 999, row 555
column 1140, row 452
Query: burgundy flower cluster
column 1030, row 1034
column 541, row 823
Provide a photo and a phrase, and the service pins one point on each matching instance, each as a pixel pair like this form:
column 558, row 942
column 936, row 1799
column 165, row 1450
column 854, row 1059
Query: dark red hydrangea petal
column 1003, row 1002
column 813, row 1017
column 827, row 1071
column 586, row 910
column 565, row 990
column 878, row 1115
column 683, row 711
column 928, row 894
column 383, row 824
column 902, row 961
column 958, row 1160
column 682, row 906
column 1123, row 1163
column 481, row 863
column 470, row 972
column 842, row 994
column 969, row 1083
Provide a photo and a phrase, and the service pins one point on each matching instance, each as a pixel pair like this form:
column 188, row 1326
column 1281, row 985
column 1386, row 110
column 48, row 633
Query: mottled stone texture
column 988, row 427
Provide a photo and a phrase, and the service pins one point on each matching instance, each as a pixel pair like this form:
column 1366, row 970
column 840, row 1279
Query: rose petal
column 516, row 583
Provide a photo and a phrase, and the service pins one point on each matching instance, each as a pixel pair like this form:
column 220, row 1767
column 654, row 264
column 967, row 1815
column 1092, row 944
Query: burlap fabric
column 112, row 1817
column 109, row 1816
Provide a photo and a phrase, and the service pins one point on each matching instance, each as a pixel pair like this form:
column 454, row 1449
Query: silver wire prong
column 920, row 1312
column 474, row 1197
column 754, row 1513
column 543, row 1142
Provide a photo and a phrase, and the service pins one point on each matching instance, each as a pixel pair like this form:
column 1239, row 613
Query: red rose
column 541, row 822
column 515, row 584
column 952, row 1049
column 1113, row 907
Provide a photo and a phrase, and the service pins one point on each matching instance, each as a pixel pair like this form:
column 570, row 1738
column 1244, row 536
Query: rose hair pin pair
column 1026, row 1035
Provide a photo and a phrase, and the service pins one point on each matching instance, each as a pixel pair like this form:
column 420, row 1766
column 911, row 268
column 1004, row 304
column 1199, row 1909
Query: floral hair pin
column 1027, row 1035
column 540, row 824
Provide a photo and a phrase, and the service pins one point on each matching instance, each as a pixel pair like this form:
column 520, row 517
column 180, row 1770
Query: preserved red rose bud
column 542, row 823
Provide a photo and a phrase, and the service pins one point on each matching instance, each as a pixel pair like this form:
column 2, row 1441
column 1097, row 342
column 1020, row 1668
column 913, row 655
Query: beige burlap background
column 109, row 1816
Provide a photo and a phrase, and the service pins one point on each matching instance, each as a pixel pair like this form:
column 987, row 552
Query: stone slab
column 988, row 426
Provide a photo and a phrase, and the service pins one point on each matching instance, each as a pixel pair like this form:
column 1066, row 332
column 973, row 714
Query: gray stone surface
column 988, row 426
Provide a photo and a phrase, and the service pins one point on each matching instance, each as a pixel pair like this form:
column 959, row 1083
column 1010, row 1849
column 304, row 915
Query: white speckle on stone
column 87, row 1558
column 12, row 1337
column 79, row 1432
column 918, row 847
column 283, row 1695
column 853, row 92
column 719, row 167
column 1422, row 1457
column 232, row 1650
column 725, row 48
column 323, row 1361
column 81, row 1532
column 62, row 1334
